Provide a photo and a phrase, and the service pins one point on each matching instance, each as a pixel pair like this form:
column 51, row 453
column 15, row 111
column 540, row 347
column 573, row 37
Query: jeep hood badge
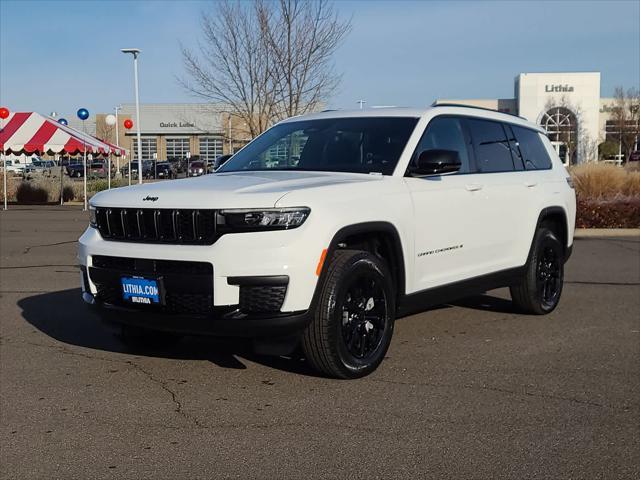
column 149, row 198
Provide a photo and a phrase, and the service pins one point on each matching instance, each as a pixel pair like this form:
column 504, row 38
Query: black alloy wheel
column 364, row 316
column 541, row 286
column 549, row 281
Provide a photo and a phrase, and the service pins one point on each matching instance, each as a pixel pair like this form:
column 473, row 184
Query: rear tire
column 353, row 323
column 539, row 291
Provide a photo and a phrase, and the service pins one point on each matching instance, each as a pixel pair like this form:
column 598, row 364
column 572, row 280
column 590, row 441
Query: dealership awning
column 32, row 133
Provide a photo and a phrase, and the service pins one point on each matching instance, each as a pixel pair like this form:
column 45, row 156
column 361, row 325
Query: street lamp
column 135, row 52
column 119, row 107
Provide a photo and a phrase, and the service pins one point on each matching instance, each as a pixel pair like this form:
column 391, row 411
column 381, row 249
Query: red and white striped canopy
column 30, row 132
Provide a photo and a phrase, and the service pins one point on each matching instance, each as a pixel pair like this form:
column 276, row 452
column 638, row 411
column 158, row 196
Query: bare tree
column 302, row 37
column 265, row 60
column 626, row 118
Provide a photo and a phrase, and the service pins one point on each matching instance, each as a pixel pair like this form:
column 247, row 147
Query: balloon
column 128, row 124
column 4, row 112
column 83, row 114
column 63, row 121
column 110, row 120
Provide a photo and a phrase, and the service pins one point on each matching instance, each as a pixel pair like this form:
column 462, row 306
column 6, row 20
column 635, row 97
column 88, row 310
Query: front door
column 449, row 215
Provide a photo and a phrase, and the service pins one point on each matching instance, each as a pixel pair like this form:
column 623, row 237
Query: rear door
column 506, row 195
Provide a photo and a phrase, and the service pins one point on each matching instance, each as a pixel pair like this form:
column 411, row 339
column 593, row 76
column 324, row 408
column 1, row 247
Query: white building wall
column 578, row 91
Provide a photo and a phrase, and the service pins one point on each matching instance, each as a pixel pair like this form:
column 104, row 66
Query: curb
column 606, row 232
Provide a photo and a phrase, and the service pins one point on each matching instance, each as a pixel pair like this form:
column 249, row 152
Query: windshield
column 356, row 145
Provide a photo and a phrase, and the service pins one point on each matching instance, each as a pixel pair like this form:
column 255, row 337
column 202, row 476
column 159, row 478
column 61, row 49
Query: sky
column 63, row 55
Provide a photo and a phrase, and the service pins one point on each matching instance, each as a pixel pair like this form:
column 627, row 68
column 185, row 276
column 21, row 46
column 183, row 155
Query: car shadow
column 487, row 303
column 63, row 315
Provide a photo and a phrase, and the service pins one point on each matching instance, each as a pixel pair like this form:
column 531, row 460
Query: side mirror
column 436, row 161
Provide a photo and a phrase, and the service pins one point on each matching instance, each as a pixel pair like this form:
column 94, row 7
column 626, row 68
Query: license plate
column 145, row 291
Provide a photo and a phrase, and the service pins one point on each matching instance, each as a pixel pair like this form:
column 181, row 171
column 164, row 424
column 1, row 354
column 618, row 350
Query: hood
column 223, row 190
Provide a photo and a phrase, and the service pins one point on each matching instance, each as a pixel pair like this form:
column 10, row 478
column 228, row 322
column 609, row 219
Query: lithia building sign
column 558, row 88
column 177, row 125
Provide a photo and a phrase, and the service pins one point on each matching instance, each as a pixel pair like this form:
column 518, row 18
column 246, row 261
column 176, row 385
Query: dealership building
column 567, row 105
column 175, row 131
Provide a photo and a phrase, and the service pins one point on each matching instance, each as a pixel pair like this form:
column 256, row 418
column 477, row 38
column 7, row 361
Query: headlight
column 229, row 221
column 93, row 221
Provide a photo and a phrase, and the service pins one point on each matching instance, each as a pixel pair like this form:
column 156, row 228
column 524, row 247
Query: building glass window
column 149, row 147
column 210, row 148
column 177, row 148
column 560, row 124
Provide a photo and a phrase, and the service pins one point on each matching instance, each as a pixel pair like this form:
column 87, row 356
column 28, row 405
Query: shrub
column 615, row 213
column 68, row 194
column 12, row 186
column 604, row 181
column 29, row 193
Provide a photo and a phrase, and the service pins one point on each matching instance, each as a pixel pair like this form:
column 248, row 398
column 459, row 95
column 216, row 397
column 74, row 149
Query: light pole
column 135, row 52
column 4, row 114
column 117, row 140
column 83, row 114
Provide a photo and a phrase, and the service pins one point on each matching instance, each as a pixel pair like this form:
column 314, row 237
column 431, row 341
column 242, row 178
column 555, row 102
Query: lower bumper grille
column 188, row 285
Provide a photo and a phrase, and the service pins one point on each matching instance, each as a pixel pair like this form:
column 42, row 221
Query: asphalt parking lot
column 471, row 390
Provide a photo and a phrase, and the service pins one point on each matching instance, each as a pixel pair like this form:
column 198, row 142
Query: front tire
column 353, row 323
column 539, row 291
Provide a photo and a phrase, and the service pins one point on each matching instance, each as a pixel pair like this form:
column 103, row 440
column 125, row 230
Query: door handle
column 473, row 187
column 530, row 184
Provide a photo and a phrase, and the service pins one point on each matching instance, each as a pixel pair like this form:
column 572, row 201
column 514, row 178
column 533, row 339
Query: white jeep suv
column 327, row 227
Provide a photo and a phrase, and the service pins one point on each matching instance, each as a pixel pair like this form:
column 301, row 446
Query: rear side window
column 491, row 146
column 532, row 148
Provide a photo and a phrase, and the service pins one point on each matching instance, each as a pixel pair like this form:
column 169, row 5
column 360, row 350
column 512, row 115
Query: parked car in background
column 99, row 169
column 147, row 169
column 75, row 170
column 42, row 167
column 16, row 168
column 196, row 169
column 165, row 170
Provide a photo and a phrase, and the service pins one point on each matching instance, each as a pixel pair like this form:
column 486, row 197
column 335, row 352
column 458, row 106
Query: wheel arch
column 556, row 217
column 381, row 238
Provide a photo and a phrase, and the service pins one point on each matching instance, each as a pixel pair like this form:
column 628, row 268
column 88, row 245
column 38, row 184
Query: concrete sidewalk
column 607, row 232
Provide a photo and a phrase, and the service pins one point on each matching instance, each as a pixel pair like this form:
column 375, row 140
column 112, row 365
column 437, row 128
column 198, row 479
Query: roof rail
column 436, row 104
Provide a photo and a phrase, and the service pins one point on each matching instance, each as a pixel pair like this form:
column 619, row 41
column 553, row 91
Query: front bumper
column 221, row 322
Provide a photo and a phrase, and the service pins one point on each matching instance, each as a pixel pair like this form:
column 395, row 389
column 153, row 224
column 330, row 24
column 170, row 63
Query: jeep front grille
column 148, row 225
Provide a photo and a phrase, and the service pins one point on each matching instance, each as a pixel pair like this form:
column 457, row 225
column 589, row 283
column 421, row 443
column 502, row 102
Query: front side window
column 355, row 145
column 445, row 133
column 532, row 148
column 491, row 146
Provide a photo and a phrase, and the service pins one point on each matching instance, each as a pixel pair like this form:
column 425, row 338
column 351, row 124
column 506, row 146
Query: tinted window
column 358, row 145
column 516, row 155
column 445, row 133
column 491, row 146
column 532, row 148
